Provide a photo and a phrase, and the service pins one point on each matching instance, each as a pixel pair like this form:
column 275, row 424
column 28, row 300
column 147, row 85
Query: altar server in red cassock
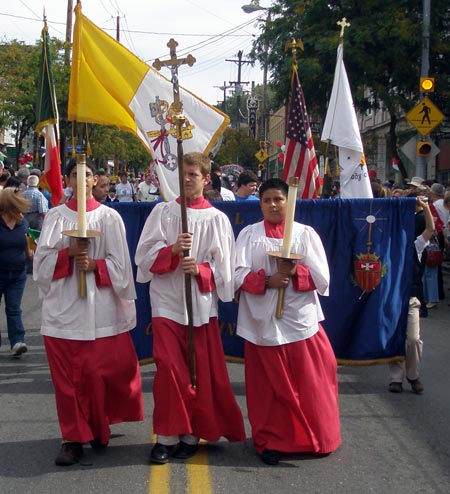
column 290, row 368
column 183, row 414
column 93, row 363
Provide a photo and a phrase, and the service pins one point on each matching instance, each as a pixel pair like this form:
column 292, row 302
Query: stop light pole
column 421, row 159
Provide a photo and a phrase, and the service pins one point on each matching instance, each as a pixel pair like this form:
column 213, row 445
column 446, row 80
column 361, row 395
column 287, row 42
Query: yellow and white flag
column 109, row 85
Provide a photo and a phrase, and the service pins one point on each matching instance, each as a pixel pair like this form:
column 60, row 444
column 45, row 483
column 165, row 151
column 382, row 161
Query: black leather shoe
column 69, row 454
column 160, row 453
column 416, row 386
column 185, row 451
column 270, row 456
column 97, row 445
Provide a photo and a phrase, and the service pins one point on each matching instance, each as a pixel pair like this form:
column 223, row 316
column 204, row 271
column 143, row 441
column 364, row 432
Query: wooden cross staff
column 173, row 63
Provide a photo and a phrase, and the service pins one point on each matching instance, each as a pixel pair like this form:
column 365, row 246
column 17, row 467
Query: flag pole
column 177, row 107
column 343, row 23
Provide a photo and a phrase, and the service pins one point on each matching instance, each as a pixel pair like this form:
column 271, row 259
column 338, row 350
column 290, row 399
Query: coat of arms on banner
column 369, row 270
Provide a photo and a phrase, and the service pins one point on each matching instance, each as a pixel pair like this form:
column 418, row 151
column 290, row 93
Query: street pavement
column 391, row 442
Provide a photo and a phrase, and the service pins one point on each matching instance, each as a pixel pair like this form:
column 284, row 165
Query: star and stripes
column 300, row 156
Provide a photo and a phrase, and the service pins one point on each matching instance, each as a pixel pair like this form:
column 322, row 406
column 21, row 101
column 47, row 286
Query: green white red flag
column 47, row 122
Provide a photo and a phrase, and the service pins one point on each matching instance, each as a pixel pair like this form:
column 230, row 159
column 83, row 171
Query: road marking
column 199, row 479
column 197, row 471
column 160, row 479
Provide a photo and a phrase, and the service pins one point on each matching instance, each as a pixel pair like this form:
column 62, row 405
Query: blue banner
column 369, row 246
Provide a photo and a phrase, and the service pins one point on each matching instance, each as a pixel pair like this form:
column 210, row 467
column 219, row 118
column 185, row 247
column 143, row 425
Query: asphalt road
column 391, row 443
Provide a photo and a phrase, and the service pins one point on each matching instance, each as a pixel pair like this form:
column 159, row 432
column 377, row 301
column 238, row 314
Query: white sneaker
column 18, row 349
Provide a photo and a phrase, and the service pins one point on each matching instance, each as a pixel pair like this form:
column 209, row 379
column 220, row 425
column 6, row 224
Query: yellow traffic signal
column 426, row 84
column 423, row 148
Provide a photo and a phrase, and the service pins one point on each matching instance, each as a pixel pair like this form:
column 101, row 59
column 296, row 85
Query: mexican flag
column 47, row 123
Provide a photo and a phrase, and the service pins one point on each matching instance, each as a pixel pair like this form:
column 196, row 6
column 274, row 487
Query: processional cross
column 177, row 108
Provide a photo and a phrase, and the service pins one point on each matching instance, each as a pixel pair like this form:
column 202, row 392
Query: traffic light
column 423, row 148
column 426, row 84
column 262, row 144
column 260, row 166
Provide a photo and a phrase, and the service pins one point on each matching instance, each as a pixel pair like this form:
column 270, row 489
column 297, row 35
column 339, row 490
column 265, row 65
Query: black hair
column 215, row 182
column 73, row 163
column 246, row 177
column 13, row 182
column 273, row 183
column 215, row 167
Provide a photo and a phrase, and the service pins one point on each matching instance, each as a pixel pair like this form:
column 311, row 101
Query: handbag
column 434, row 256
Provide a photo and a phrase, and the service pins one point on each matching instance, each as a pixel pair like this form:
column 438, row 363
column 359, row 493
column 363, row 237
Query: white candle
column 81, row 194
column 289, row 221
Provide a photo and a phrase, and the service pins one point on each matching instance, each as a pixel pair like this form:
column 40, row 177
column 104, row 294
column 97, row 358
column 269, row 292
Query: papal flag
column 109, row 85
column 341, row 129
column 47, row 122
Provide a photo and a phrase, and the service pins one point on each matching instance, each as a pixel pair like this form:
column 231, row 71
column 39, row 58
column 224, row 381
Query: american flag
column 300, row 157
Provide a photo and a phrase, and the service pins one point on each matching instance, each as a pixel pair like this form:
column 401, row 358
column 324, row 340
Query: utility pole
column 68, row 32
column 118, row 28
column 238, row 84
column 421, row 161
column 224, row 89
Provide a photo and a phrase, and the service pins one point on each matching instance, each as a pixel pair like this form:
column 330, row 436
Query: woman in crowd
column 14, row 251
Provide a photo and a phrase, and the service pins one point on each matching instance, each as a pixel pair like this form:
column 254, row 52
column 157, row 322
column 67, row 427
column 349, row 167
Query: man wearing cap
column 416, row 182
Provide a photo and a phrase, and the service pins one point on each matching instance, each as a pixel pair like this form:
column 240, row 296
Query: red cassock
column 97, row 383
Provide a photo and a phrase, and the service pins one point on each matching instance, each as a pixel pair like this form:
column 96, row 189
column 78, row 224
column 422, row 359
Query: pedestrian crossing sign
column 261, row 155
column 425, row 116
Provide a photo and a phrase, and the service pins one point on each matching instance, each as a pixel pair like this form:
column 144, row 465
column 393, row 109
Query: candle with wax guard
column 81, row 195
column 81, row 231
column 285, row 252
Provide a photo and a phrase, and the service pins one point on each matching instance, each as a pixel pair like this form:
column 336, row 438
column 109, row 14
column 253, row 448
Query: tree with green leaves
column 238, row 147
column 19, row 65
column 382, row 52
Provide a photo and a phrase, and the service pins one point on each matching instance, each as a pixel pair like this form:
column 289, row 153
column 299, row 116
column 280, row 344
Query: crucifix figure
column 173, row 63
column 177, row 109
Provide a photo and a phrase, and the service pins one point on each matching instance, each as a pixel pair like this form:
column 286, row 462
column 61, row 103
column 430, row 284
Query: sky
column 210, row 30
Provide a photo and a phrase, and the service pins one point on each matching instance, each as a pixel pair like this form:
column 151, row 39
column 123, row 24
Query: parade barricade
column 369, row 246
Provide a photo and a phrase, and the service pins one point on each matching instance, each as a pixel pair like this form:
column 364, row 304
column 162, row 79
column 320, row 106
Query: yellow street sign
column 425, row 116
column 261, row 155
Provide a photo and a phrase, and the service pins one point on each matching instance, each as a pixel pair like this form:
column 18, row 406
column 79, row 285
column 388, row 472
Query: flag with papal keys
column 300, row 156
column 109, row 85
column 47, row 122
column 341, row 129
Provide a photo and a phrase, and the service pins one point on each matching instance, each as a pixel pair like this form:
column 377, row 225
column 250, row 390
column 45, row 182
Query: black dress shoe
column 97, row 445
column 69, row 454
column 160, row 453
column 270, row 456
column 185, row 451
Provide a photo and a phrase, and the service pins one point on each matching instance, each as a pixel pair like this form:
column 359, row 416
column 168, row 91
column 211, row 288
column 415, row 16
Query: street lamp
column 254, row 6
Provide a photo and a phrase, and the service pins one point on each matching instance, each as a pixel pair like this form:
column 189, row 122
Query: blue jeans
column 12, row 285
